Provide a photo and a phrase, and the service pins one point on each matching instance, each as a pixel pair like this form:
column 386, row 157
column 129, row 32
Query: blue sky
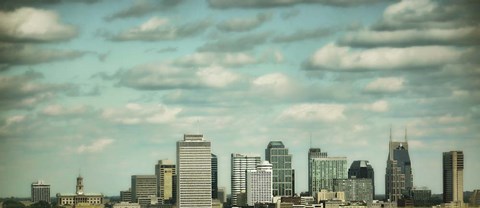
column 107, row 87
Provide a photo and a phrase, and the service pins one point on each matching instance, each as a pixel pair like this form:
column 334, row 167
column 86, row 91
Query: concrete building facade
column 240, row 164
column 144, row 189
column 164, row 171
column 40, row 192
column 194, row 175
column 453, row 165
column 259, row 184
column 355, row 189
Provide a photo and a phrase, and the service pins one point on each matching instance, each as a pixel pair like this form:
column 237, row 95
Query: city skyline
column 108, row 87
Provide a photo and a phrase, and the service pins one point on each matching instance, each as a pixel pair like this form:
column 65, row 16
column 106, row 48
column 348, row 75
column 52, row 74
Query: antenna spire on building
column 406, row 140
column 390, row 132
column 310, row 140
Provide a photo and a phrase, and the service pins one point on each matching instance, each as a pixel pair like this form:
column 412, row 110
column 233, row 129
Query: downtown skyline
column 106, row 88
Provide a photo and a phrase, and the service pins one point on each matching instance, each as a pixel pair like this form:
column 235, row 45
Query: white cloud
column 134, row 113
column 333, row 57
column 153, row 24
column 386, row 84
column 209, row 58
column 58, row 110
column 244, row 23
column 274, row 84
column 447, row 119
column 159, row 29
column 95, row 146
column 410, row 37
column 29, row 24
column 377, row 106
column 314, row 112
column 215, row 76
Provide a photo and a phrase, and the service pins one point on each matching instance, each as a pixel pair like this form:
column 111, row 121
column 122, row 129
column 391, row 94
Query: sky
column 105, row 88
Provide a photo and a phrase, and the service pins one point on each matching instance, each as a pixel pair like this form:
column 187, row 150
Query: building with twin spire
column 398, row 174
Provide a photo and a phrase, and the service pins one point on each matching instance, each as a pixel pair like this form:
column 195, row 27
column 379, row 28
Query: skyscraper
column 362, row 169
column 144, row 189
column 194, row 175
column 398, row 174
column 40, row 192
column 165, row 170
column 325, row 170
column 453, row 176
column 283, row 173
column 240, row 164
column 259, row 184
column 313, row 153
column 214, row 177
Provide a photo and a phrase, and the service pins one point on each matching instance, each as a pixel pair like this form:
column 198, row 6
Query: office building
column 259, row 184
column 453, row 165
column 474, row 200
column 283, row 173
column 165, row 170
column 398, row 174
column 222, row 195
column 362, row 169
column 325, row 170
column 355, row 189
column 194, row 175
column 325, row 195
column 126, row 205
column 80, row 197
column 126, row 196
column 421, row 196
column 240, row 164
column 313, row 153
column 144, row 189
column 40, row 192
column 214, row 166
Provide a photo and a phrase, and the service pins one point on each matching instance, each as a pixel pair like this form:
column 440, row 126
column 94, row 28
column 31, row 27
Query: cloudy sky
column 106, row 87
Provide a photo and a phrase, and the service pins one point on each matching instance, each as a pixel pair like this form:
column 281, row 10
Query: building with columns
column 80, row 197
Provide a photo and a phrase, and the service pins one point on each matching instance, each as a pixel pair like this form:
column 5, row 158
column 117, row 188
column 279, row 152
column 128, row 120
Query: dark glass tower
column 283, row 174
column 362, row 169
column 398, row 174
column 214, row 176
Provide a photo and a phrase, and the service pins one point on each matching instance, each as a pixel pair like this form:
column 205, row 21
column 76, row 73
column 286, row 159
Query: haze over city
column 106, row 88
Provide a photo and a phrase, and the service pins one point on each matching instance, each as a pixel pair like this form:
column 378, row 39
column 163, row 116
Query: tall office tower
column 240, row 164
column 259, row 184
column 362, row 169
column 355, row 189
column 214, row 176
column 126, row 196
column 194, row 176
column 398, row 174
column 283, row 173
column 453, row 176
column 313, row 153
column 324, row 170
column 144, row 189
column 164, row 170
column 40, row 192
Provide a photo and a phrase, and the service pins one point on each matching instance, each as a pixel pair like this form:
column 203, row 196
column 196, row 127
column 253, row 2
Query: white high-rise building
column 194, row 176
column 40, row 192
column 259, row 184
column 240, row 164
column 324, row 170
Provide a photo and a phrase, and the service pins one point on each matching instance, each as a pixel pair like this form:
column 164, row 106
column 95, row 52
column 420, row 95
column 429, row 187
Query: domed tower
column 79, row 185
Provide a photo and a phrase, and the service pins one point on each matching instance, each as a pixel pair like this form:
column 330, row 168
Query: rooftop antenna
column 406, row 140
column 390, row 132
column 198, row 126
column 310, row 140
